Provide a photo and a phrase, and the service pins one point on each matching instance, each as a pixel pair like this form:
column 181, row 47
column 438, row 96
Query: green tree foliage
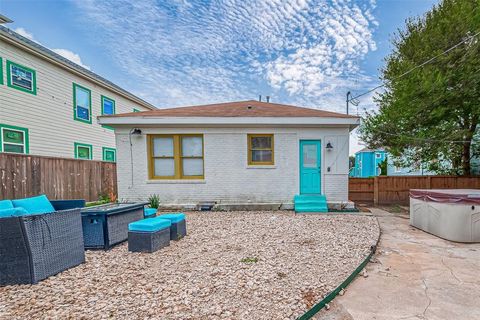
column 351, row 162
column 383, row 167
column 431, row 115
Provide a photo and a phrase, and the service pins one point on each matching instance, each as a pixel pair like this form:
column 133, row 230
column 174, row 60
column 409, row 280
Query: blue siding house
column 367, row 163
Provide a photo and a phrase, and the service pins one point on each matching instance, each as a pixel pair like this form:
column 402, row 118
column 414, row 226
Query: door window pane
column 192, row 167
column 164, row 167
column 163, row 147
column 262, row 156
column 310, row 155
column 192, row 146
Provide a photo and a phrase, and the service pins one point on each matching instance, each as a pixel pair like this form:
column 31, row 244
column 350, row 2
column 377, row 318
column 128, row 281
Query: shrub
column 154, row 201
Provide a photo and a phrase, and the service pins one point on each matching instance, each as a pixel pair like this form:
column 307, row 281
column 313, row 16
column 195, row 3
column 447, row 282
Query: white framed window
column 82, row 104
column 13, row 139
column 378, row 155
column 108, row 106
column 83, row 151
column 21, row 78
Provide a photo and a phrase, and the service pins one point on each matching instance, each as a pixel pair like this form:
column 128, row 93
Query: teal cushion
column 150, row 211
column 13, row 212
column 149, row 225
column 39, row 204
column 174, row 217
column 6, row 204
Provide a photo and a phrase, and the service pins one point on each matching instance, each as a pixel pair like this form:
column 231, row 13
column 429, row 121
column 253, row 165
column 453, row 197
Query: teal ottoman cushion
column 149, row 211
column 39, row 204
column 13, row 212
column 149, row 225
column 173, row 217
column 6, row 204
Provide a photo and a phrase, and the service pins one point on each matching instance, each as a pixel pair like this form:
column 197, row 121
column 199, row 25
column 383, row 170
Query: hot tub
column 452, row 214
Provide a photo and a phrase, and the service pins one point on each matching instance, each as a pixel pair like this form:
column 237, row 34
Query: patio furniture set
column 41, row 237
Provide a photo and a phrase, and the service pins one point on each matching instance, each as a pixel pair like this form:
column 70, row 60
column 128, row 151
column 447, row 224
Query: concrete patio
column 414, row 275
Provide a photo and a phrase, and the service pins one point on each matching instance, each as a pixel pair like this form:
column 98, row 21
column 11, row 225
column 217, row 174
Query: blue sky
column 182, row 52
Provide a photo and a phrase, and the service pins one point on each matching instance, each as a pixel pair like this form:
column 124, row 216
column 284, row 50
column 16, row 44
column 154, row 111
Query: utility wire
column 418, row 66
column 422, row 139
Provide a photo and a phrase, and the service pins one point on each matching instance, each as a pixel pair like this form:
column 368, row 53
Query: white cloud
column 63, row 52
column 71, row 56
column 305, row 51
column 25, row 33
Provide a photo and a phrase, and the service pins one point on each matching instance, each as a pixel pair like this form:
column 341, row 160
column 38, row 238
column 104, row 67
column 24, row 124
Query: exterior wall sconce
column 136, row 131
column 329, row 146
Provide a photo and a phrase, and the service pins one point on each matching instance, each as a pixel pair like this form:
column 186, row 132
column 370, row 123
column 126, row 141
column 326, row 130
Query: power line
column 418, row 66
column 423, row 139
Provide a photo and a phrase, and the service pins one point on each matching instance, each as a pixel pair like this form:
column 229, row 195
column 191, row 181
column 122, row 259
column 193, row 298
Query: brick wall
column 228, row 178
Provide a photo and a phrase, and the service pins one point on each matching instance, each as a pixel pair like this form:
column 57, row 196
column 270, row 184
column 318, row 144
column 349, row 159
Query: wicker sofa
column 36, row 245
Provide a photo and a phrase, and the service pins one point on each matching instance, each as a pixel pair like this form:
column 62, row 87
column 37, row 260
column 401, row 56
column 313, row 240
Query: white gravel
column 210, row 274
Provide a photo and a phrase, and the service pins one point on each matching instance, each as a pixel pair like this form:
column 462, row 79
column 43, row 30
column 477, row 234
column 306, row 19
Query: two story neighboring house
column 49, row 105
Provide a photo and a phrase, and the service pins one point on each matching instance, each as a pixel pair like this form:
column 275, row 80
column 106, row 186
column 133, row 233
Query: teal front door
column 310, row 166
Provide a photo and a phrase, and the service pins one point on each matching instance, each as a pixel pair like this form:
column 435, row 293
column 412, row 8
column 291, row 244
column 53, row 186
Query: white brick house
column 245, row 152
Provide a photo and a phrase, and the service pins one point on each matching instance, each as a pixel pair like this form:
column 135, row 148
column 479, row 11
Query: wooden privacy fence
column 59, row 178
column 395, row 189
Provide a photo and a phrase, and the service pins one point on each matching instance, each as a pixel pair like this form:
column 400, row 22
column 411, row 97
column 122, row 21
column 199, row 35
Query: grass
column 396, row 209
column 96, row 203
column 249, row 260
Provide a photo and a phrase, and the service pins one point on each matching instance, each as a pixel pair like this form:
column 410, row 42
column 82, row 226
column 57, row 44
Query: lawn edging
column 329, row 297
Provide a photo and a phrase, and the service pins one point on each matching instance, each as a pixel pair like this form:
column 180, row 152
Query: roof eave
column 229, row 121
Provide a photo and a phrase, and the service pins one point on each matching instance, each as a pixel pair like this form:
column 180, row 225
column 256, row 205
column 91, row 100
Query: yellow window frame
column 177, row 157
column 272, row 149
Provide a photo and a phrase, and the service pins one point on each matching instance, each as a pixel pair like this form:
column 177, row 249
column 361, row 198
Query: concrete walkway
column 415, row 275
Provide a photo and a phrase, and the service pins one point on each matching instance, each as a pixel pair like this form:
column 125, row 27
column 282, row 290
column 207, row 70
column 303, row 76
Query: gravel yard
column 237, row 265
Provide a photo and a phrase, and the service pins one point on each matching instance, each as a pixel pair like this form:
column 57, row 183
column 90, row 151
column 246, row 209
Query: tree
column 383, row 166
column 351, row 162
column 431, row 115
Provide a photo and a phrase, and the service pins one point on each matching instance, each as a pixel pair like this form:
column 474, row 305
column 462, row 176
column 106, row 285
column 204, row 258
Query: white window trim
column 12, row 76
column 14, row 143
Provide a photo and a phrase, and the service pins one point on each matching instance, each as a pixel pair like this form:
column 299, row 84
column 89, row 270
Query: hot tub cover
column 460, row 196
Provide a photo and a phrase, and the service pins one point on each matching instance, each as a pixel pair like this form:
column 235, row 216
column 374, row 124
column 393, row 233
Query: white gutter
column 228, row 121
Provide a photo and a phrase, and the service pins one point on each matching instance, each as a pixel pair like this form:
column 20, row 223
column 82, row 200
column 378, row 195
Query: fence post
column 375, row 191
column 429, row 182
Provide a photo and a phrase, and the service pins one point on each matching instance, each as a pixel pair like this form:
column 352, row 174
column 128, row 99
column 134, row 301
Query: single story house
column 237, row 153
